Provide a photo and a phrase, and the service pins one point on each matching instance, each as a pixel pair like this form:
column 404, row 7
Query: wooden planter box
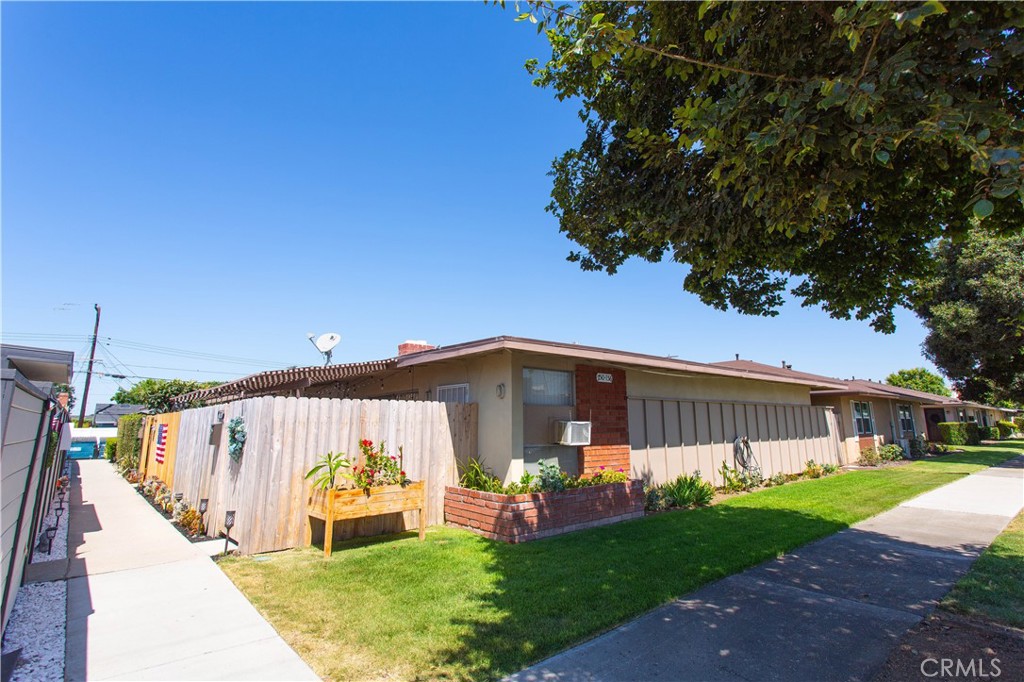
column 520, row 518
column 340, row 505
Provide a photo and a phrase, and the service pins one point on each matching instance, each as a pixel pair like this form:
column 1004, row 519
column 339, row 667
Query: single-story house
column 107, row 414
column 872, row 413
column 586, row 407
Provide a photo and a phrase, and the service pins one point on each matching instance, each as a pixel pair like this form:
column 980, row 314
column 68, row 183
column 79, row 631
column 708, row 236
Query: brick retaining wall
column 520, row 518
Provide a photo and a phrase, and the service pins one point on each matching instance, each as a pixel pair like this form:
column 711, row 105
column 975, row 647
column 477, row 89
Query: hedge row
column 1006, row 428
column 960, row 433
column 129, row 445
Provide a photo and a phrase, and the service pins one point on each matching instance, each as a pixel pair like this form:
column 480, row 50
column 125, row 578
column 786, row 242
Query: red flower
column 366, row 443
column 402, row 473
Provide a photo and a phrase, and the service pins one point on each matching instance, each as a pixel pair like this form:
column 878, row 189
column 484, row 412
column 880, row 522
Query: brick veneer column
column 604, row 405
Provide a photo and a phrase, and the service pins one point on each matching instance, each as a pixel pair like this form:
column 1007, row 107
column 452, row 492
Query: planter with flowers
column 539, row 506
column 376, row 485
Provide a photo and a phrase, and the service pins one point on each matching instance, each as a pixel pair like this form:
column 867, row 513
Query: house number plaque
column 603, row 378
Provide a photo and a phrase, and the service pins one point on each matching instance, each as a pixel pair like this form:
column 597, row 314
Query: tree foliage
column 918, row 379
column 66, row 388
column 158, row 394
column 973, row 309
column 818, row 146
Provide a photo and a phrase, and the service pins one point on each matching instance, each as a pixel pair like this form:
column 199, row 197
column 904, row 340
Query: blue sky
column 225, row 178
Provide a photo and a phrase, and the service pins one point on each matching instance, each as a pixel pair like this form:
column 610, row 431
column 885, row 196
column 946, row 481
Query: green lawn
column 458, row 606
column 994, row 587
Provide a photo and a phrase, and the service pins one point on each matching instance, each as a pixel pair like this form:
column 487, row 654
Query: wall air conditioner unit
column 572, row 433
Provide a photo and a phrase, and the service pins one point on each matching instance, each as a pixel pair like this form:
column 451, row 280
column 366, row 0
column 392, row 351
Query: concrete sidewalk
column 144, row 603
column 832, row 610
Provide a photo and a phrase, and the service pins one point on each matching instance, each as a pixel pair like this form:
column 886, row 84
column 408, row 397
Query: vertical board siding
column 670, row 437
column 285, row 436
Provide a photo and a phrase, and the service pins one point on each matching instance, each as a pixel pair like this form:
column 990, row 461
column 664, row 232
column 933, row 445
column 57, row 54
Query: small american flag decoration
column 161, row 442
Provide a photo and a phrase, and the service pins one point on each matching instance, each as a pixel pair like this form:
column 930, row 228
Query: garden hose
column 744, row 456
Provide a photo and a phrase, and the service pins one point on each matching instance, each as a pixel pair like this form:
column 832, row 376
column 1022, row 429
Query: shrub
column 654, row 500
column 688, row 491
column 1019, row 423
column 1005, row 429
column 829, row 468
column 869, row 457
column 777, row 480
column 891, row 453
column 192, row 521
column 989, row 432
column 550, row 479
column 110, row 449
column 813, row 470
column 918, row 448
column 129, row 445
column 960, row 433
column 476, row 477
column 935, row 447
column 735, row 480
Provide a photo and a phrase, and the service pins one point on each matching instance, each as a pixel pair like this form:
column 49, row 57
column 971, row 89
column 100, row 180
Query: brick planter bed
column 520, row 518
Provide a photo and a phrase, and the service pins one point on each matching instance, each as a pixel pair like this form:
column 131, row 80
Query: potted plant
column 379, row 485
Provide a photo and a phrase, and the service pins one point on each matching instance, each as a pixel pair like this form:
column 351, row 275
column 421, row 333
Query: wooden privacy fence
column 152, row 462
column 285, row 437
column 673, row 437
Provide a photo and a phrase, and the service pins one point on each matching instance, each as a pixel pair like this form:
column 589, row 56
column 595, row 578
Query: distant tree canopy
column 818, row 146
column 158, row 394
column 973, row 309
column 918, row 379
column 66, row 388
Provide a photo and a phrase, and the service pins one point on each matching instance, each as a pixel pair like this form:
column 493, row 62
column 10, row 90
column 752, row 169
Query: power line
column 149, row 348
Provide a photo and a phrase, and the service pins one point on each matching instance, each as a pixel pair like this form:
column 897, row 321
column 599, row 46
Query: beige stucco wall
column 659, row 384
column 483, row 374
column 884, row 414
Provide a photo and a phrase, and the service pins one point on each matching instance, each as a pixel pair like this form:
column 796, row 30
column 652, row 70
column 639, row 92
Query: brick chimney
column 63, row 398
column 413, row 346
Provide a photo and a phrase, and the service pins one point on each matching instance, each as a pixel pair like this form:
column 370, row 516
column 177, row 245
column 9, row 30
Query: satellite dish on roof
column 325, row 343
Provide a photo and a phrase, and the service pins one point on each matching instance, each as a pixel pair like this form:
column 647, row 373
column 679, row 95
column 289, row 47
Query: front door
column 932, row 417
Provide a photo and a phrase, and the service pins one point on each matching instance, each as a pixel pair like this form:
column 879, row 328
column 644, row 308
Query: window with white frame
column 453, row 393
column 862, row 418
column 906, row 418
column 547, row 387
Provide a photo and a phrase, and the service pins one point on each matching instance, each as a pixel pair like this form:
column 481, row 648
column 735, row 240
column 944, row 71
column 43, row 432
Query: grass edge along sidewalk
column 459, row 606
column 993, row 589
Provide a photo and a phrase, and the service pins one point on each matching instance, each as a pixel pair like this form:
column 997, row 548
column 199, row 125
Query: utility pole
column 92, row 357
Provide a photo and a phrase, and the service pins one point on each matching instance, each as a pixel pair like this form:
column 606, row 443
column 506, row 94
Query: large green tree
column 816, row 147
column 973, row 309
column 158, row 394
column 918, row 379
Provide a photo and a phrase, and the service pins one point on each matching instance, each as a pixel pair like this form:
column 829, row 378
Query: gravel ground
column 38, row 620
column 37, row 626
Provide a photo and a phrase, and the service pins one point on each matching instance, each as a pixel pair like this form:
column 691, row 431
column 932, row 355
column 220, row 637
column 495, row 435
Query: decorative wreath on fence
column 236, row 438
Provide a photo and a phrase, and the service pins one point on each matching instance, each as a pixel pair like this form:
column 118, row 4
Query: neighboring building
column 107, row 414
column 655, row 417
column 871, row 413
column 34, row 417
